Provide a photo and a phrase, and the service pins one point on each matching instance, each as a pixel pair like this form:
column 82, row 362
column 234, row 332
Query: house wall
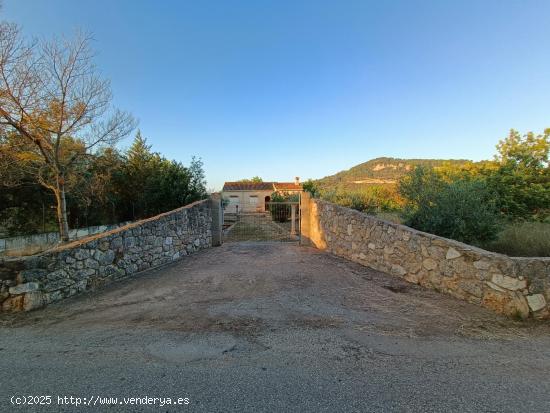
column 508, row 285
column 244, row 204
column 31, row 282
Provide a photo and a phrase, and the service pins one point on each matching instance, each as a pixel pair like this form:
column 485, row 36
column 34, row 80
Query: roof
column 248, row 186
column 287, row 186
column 261, row 186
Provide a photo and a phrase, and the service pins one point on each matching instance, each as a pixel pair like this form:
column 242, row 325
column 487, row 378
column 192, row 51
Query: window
column 253, row 200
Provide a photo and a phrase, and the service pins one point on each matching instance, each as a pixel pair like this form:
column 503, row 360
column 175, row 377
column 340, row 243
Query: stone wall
column 32, row 282
column 518, row 287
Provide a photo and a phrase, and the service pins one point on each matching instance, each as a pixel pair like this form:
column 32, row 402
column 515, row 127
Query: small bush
column 526, row 239
column 463, row 210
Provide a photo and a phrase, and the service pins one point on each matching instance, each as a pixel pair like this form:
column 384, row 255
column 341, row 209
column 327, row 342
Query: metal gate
column 280, row 221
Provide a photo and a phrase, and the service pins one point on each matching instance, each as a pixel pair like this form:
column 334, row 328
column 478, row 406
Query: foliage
column 463, row 209
column 379, row 171
column 370, row 199
column 528, row 152
column 311, row 187
column 284, row 197
column 522, row 180
column 254, row 179
column 281, row 213
column 523, row 239
column 112, row 187
column 55, row 110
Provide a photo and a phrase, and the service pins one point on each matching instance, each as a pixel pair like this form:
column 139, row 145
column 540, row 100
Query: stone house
column 252, row 196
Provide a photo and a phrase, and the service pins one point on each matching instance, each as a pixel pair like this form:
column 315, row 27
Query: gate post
column 292, row 220
column 217, row 219
column 305, row 211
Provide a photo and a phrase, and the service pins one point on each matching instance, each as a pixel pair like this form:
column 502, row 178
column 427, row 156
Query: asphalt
column 274, row 327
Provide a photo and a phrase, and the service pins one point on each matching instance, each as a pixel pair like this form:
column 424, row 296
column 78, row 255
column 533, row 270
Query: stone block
column 33, row 301
column 536, row 302
column 452, row 254
column 508, row 283
column 24, row 288
column 429, row 264
column 31, row 275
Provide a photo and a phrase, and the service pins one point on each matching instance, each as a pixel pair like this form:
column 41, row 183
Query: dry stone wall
column 507, row 285
column 32, row 282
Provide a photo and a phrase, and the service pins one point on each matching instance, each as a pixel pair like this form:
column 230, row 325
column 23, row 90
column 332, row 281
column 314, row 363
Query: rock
column 24, row 288
column 33, row 300
column 56, row 275
column 14, row 303
column 429, row 264
column 398, row 270
column 508, row 283
column 508, row 303
column 471, row 287
column 495, row 287
column 81, row 254
column 58, row 285
column 371, row 246
column 482, row 264
column 105, row 258
column 536, row 302
column 84, row 273
column 168, row 241
column 116, row 243
column 31, row 275
column 452, row 254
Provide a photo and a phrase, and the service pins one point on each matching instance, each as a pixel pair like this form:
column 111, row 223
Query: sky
column 280, row 89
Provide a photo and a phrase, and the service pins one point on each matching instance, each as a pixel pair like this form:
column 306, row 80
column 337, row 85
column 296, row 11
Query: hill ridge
column 380, row 171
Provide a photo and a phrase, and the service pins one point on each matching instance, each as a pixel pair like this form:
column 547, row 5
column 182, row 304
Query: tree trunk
column 62, row 210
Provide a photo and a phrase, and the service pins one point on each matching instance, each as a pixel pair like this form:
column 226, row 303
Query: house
column 252, row 196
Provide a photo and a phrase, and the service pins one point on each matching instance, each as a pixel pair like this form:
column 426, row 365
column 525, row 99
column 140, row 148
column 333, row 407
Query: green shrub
column 369, row 200
column 523, row 239
column 463, row 210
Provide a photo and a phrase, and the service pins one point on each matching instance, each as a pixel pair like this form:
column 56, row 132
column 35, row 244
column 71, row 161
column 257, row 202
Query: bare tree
column 53, row 99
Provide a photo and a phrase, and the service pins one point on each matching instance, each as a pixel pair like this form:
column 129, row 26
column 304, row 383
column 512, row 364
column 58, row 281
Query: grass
column 394, row 217
column 525, row 239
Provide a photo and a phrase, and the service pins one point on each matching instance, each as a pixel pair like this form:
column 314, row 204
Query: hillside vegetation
column 501, row 204
column 380, row 171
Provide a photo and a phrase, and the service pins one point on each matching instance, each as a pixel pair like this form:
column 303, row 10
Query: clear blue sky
column 284, row 88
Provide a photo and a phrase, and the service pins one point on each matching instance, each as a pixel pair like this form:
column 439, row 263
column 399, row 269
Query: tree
column 463, row 209
column 57, row 108
column 311, row 187
column 522, row 178
column 151, row 184
column 198, row 179
column 529, row 151
column 254, row 179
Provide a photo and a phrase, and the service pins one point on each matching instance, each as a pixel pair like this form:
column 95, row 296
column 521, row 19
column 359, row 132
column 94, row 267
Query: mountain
column 379, row 171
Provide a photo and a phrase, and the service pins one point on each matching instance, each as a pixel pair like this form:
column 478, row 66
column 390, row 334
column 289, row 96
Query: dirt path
column 323, row 332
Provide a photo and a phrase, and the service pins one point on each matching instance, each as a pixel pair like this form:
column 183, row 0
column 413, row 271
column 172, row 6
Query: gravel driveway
column 251, row 327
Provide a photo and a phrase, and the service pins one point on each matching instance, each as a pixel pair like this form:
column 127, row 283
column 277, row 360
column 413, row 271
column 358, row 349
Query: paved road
column 274, row 327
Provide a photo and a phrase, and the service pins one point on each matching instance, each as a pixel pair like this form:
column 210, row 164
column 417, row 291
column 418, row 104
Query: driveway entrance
column 271, row 327
column 279, row 222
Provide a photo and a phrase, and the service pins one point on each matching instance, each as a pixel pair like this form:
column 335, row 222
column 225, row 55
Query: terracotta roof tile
column 248, row 186
column 287, row 186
